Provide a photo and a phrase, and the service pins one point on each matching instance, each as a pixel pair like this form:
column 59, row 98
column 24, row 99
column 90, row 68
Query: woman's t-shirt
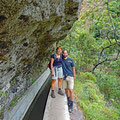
column 57, row 61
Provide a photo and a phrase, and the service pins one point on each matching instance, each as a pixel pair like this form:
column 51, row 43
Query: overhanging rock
column 28, row 30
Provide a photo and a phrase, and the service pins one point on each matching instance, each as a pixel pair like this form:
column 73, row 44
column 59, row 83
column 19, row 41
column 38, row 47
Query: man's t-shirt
column 57, row 61
column 67, row 65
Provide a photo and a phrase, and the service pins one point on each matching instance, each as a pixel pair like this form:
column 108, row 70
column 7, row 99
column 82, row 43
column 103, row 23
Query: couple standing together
column 63, row 69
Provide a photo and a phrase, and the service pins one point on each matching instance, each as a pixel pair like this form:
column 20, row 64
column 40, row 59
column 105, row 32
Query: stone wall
column 28, row 31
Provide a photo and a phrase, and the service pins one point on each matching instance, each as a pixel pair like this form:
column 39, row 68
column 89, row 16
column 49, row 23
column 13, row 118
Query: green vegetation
column 33, row 80
column 5, row 94
column 15, row 100
column 1, row 112
column 94, row 44
column 91, row 100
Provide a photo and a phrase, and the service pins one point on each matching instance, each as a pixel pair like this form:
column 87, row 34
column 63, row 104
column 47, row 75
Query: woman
column 56, row 71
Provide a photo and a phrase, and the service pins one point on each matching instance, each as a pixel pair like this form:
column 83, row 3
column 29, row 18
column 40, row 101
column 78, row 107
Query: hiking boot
column 60, row 92
column 70, row 110
column 52, row 94
column 68, row 101
column 70, row 107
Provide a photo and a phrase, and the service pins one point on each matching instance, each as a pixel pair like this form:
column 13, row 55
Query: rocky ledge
column 29, row 30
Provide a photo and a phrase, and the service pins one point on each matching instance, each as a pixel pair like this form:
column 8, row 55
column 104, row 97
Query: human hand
column 52, row 73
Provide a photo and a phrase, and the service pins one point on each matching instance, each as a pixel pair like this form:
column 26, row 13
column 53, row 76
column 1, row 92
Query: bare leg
column 59, row 82
column 67, row 92
column 52, row 88
column 59, row 86
column 53, row 84
column 71, row 94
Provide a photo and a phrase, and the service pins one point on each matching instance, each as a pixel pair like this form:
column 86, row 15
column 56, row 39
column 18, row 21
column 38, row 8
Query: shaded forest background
column 94, row 44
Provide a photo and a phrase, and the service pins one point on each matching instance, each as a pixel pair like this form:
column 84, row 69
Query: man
column 69, row 77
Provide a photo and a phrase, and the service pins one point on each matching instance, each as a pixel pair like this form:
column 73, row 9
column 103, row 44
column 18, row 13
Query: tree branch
column 105, row 60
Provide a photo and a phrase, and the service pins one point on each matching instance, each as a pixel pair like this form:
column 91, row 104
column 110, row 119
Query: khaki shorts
column 68, row 83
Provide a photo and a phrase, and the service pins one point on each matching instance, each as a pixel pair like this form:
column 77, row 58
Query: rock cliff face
column 28, row 31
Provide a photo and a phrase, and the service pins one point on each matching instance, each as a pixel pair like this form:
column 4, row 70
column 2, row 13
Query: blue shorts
column 58, row 73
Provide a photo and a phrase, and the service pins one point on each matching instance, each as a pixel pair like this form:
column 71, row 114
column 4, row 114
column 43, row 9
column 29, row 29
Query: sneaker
column 52, row 94
column 60, row 92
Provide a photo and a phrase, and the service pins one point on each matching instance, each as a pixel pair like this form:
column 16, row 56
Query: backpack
column 54, row 59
